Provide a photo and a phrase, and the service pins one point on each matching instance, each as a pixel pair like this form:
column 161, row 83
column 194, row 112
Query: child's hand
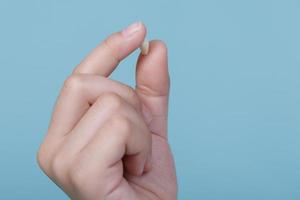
column 107, row 140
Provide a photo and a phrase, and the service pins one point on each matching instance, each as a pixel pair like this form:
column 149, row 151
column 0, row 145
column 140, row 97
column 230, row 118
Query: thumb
column 152, row 87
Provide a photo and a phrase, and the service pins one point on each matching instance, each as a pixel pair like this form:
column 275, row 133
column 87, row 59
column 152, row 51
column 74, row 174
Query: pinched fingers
column 100, row 63
column 105, row 57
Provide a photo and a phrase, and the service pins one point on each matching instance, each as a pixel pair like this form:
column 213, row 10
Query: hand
column 107, row 140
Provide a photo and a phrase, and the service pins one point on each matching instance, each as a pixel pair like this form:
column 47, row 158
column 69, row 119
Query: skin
column 109, row 141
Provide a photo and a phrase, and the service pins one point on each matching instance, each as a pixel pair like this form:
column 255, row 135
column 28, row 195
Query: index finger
column 105, row 57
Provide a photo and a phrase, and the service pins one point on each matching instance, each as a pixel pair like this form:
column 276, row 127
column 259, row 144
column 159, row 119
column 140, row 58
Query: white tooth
column 145, row 47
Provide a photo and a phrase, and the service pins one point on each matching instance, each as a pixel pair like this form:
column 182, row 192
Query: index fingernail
column 132, row 29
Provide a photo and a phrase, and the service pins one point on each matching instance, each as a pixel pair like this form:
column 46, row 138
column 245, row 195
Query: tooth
column 145, row 47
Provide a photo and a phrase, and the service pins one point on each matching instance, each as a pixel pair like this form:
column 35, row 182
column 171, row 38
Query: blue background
column 235, row 101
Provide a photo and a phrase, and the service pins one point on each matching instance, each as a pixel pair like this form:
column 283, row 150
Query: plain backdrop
column 235, row 99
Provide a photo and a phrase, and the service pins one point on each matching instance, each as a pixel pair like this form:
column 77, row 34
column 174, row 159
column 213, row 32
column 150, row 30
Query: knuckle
column 121, row 123
column 73, row 83
column 45, row 155
column 77, row 176
column 59, row 165
column 42, row 158
column 81, row 173
column 108, row 42
column 111, row 100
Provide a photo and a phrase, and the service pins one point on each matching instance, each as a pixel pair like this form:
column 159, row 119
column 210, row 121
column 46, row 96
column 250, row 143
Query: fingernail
column 132, row 29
